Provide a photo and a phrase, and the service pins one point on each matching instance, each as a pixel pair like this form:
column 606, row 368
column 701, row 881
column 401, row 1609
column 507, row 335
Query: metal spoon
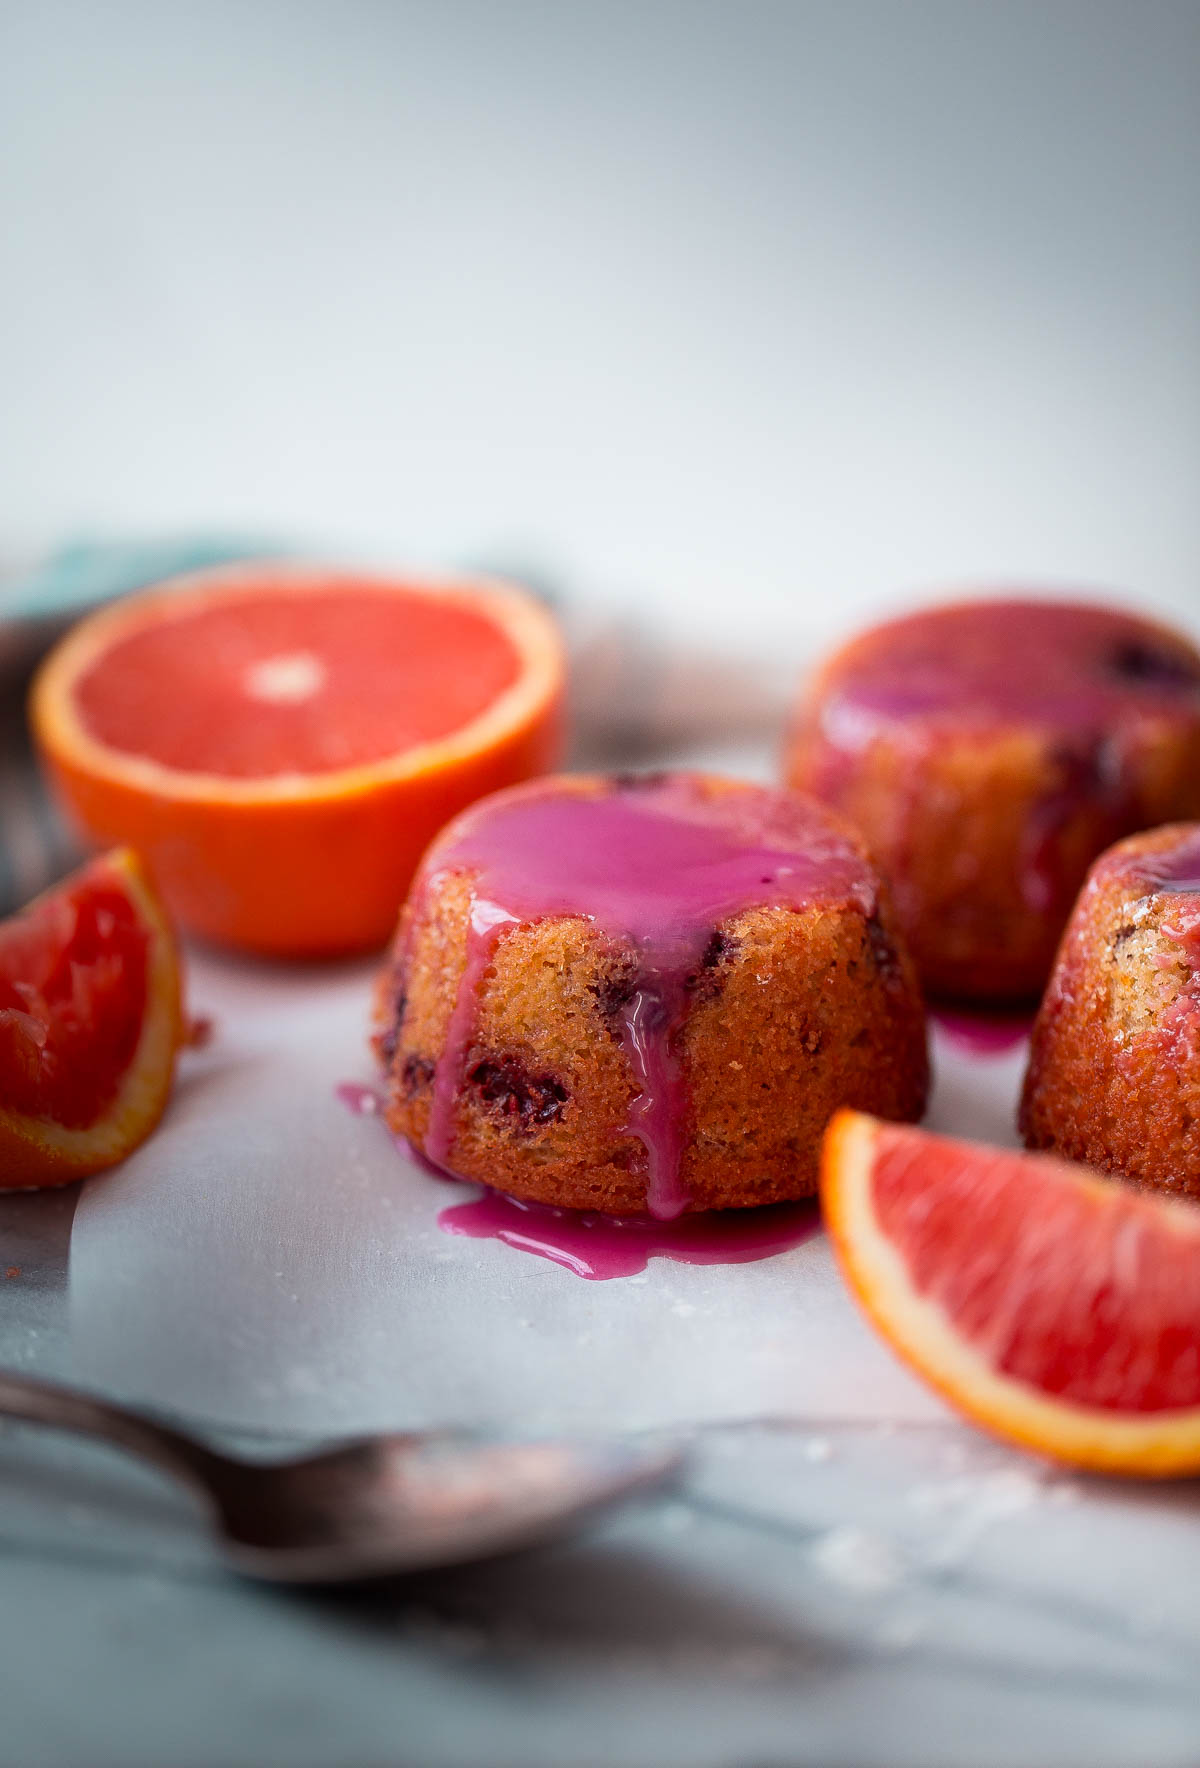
column 370, row 1508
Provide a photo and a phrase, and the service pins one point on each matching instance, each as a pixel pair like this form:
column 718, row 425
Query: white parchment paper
column 269, row 1259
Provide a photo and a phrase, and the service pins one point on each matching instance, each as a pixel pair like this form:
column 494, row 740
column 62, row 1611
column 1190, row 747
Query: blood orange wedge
column 89, row 1024
column 282, row 743
column 1052, row 1306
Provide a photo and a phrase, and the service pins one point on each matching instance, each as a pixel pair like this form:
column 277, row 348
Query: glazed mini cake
column 1114, row 1066
column 989, row 751
column 645, row 995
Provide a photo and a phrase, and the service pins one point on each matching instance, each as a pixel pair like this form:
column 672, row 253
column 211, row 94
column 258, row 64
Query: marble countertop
column 844, row 1576
column 834, row 1592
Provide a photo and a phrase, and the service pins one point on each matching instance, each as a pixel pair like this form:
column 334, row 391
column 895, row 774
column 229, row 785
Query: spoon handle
column 64, row 1408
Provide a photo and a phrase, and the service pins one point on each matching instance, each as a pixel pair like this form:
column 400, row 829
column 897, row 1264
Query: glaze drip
column 656, row 866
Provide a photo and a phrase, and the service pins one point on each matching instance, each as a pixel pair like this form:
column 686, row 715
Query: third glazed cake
column 1114, row 1067
column 645, row 995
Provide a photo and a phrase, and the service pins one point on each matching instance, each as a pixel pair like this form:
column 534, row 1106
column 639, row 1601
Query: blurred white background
column 759, row 316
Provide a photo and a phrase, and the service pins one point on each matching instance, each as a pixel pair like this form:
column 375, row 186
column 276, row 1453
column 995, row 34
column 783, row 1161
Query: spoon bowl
column 411, row 1503
column 370, row 1508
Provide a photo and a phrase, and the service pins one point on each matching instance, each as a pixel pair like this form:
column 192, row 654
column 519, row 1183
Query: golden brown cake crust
column 1114, row 1066
column 985, row 815
column 789, row 1014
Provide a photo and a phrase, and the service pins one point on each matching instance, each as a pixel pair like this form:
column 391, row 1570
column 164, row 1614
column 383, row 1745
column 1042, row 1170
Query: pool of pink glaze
column 983, row 1034
column 600, row 1247
column 363, row 1101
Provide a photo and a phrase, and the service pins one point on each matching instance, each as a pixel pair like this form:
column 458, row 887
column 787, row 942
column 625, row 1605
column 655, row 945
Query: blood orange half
column 89, row 1024
column 1055, row 1307
column 283, row 743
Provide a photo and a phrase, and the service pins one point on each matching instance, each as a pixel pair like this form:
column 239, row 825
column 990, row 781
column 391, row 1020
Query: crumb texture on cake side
column 569, row 1041
column 1114, row 1065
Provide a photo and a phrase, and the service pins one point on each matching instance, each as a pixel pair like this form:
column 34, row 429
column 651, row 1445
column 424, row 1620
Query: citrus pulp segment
column 90, row 1023
column 1055, row 1307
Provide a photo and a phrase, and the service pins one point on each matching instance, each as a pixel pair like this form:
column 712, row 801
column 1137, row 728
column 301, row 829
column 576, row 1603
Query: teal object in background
column 75, row 577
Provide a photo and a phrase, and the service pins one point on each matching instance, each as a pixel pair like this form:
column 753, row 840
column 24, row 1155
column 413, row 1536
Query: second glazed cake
column 989, row 751
column 645, row 995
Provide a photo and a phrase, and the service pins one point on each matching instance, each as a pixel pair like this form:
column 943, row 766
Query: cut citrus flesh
column 1055, row 1307
column 291, row 684
column 282, row 743
column 89, row 1024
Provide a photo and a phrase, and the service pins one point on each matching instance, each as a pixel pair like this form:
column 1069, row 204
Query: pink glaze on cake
column 989, row 751
column 1086, row 677
column 659, row 866
column 1059, row 664
column 601, row 1247
column 1176, row 872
